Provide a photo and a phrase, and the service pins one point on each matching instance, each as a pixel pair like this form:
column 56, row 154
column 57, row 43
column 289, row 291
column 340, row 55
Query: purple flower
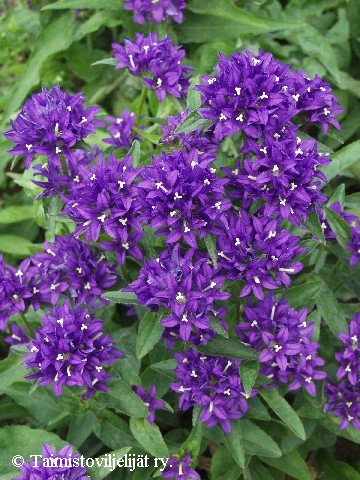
column 150, row 401
column 155, row 11
column 343, row 402
column 187, row 287
column 258, row 251
column 120, row 129
column 182, row 197
column 157, row 61
column 354, row 246
column 106, row 200
column 50, row 123
column 180, row 468
column 17, row 335
column 71, row 349
column 336, row 207
column 349, row 356
column 283, row 338
column 212, row 383
column 45, row 469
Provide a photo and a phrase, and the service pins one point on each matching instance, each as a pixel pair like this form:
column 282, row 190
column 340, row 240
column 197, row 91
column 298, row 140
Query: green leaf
column 135, row 153
column 85, row 4
column 258, row 471
column 223, row 466
column 218, row 328
column 228, row 348
column 11, row 370
column 50, row 41
column 149, row 437
column 192, row 122
column 339, row 226
column 313, row 224
column 81, row 427
column 149, row 333
column 113, row 431
column 193, row 441
column 292, row 464
column 17, row 246
column 151, row 137
column 342, row 160
column 338, row 195
column 123, row 399
column 234, row 443
column 333, row 469
column 249, row 370
column 193, row 98
column 211, row 248
column 284, row 411
column 258, row 442
column 121, row 297
column 16, row 213
column 100, row 471
column 300, row 295
column 330, row 310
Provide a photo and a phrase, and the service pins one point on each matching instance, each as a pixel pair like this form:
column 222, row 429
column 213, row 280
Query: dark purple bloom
column 343, row 402
column 354, row 246
column 212, row 383
column 50, row 123
column 155, row 11
column 180, row 468
column 106, row 200
column 157, row 61
column 17, row 335
column 71, row 349
column 182, row 197
column 258, row 251
column 120, row 129
column 150, row 401
column 66, row 466
column 187, row 287
column 283, row 338
column 349, row 356
column 336, row 207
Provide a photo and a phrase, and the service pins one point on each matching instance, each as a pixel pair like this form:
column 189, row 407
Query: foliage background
column 43, row 44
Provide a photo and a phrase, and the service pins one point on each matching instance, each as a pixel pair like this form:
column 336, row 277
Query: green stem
column 28, row 327
column 141, row 104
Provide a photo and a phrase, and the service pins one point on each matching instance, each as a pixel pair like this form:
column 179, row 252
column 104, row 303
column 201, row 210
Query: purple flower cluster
column 71, row 349
column 259, row 251
column 354, row 246
column 67, row 466
column 120, row 129
column 283, row 338
column 214, row 384
column 344, row 396
column 150, row 401
column 155, row 11
column 17, row 335
column 105, row 200
column 336, row 207
column 157, row 61
column 182, row 197
column 180, row 469
column 254, row 94
column 50, row 123
column 187, row 286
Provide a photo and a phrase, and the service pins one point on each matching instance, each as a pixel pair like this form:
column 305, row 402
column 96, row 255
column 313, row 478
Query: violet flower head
column 50, row 123
column 69, row 265
column 157, row 61
column 182, row 197
column 187, row 287
column 214, row 384
column 343, row 401
column 180, row 469
column 105, row 200
column 17, row 335
column 349, row 356
column 258, row 251
column 120, row 129
column 336, row 207
column 155, row 11
column 71, row 349
column 149, row 399
column 354, row 246
column 63, row 468
column 283, row 338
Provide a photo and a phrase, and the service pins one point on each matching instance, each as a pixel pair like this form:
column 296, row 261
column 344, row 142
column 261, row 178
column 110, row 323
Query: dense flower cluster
column 180, row 469
column 106, row 200
column 259, row 251
column 120, row 129
column 212, row 383
column 66, row 467
column 50, row 123
column 254, row 94
column 159, row 62
column 149, row 399
column 283, row 338
column 182, row 197
column 187, row 286
column 71, row 349
column 155, row 11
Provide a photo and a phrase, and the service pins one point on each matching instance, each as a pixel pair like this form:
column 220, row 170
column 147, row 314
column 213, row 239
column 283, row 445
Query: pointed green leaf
column 149, row 333
column 149, row 437
column 121, row 297
column 249, row 370
column 234, row 443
